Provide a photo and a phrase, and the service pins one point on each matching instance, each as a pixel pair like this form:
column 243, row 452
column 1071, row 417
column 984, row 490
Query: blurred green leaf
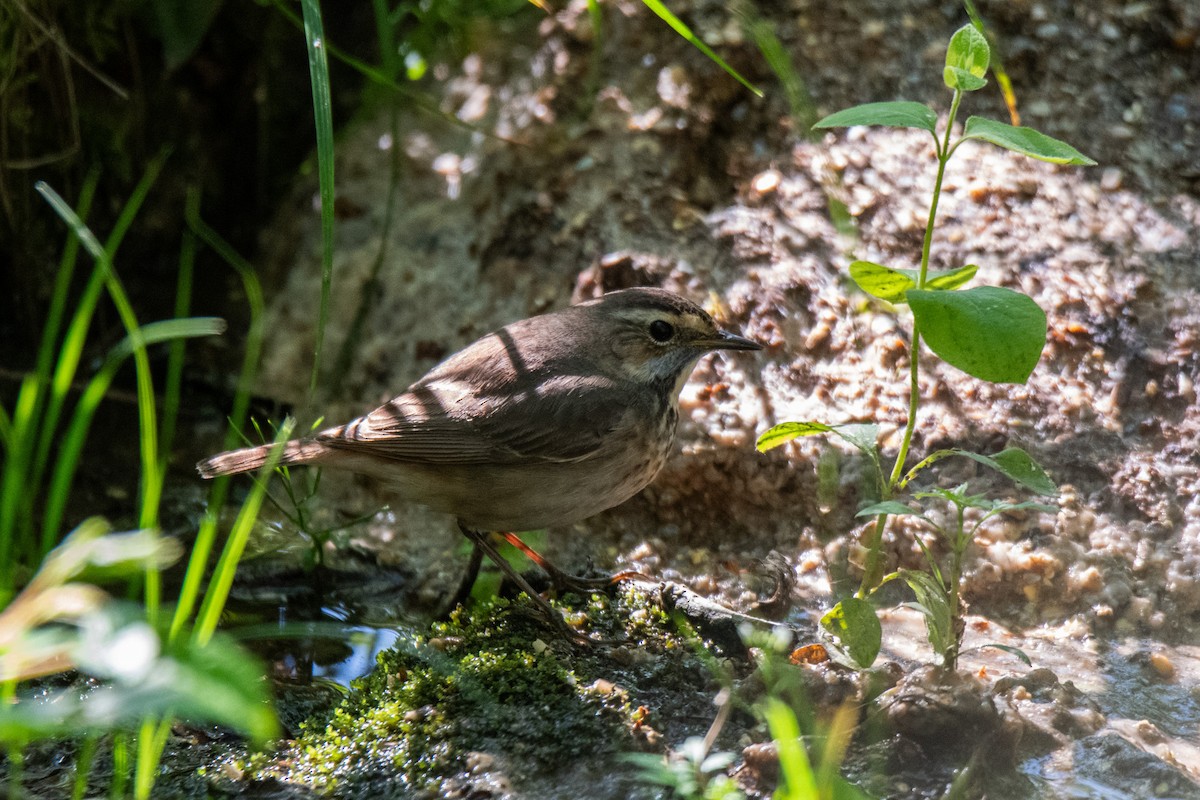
column 796, row 770
column 1018, row 465
column 894, row 507
column 933, row 605
column 215, row 683
column 91, row 554
column 683, row 30
column 855, row 627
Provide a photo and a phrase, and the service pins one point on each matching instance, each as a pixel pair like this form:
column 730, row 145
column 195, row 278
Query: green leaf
column 855, row 626
column 894, row 507
column 934, row 606
column 882, row 282
column 891, row 284
column 1018, row 465
column 948, row 278
column 898, row 114
column 1026, row 141
column 786, row 431
column 992, row 333
column 166, row 330
column 318, row 78
column 962, row 80
column 967, row 58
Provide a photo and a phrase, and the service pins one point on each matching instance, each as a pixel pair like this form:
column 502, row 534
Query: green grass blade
column 222, row 579
column 73, row 439
column 152, row 738
column 800, row 103
column 52, row 390
column 804, row 116
column 683, row 30
column 369, row 293
column 254, row 299
column 62, row 284
column 65, row 369
column 104, row 256
column 70, row 352
column 151, row 475
column 206, row 535
column 83, row 766
column 1002, row 79
column 416, row 99
column 174, row 379
column 798, row 782
column 13, row 489
column 62, row 280
column 318, row 69
column 389, row 54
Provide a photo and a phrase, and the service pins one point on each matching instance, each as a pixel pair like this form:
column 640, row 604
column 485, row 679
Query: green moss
column 495, row 681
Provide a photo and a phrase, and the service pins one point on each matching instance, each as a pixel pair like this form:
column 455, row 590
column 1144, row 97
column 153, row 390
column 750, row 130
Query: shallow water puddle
column 328, row 627
column 1145, row 692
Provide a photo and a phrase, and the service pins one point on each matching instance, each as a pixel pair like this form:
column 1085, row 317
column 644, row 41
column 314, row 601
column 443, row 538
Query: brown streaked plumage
column 544, row 422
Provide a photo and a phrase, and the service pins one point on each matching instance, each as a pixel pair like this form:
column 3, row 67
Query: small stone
column 766, row 182
column 1111, row 179
column 1162, row 665
column 1187, row 389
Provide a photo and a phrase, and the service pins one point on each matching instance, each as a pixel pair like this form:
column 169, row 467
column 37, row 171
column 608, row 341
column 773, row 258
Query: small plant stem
column 873, row 570
column 959, row 546
column 943, row 155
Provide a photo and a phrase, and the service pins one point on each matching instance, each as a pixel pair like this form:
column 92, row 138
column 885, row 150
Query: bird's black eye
column 661, row 331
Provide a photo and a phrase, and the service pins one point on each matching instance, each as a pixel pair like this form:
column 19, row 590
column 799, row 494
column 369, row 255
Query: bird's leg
column 562, row 580
column 466, row 584
column 553, row 617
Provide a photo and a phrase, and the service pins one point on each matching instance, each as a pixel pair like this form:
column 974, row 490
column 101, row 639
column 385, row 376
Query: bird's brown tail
column 248, row 459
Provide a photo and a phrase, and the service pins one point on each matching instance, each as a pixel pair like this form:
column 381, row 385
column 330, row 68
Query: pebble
column 1162, row 665
column 766, row 182
column 1111, row 179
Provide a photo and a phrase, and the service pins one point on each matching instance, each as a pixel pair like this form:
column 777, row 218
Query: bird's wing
column 562, row 418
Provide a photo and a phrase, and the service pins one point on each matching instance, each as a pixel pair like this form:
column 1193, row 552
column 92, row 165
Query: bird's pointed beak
column 724, row 340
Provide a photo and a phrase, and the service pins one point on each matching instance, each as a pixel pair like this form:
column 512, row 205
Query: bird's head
column 657, row 336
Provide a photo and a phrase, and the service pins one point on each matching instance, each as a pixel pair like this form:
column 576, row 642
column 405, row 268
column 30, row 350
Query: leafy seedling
column 992, row 333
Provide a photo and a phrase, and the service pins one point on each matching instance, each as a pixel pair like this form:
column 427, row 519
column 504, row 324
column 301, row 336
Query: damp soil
column 598, row 160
